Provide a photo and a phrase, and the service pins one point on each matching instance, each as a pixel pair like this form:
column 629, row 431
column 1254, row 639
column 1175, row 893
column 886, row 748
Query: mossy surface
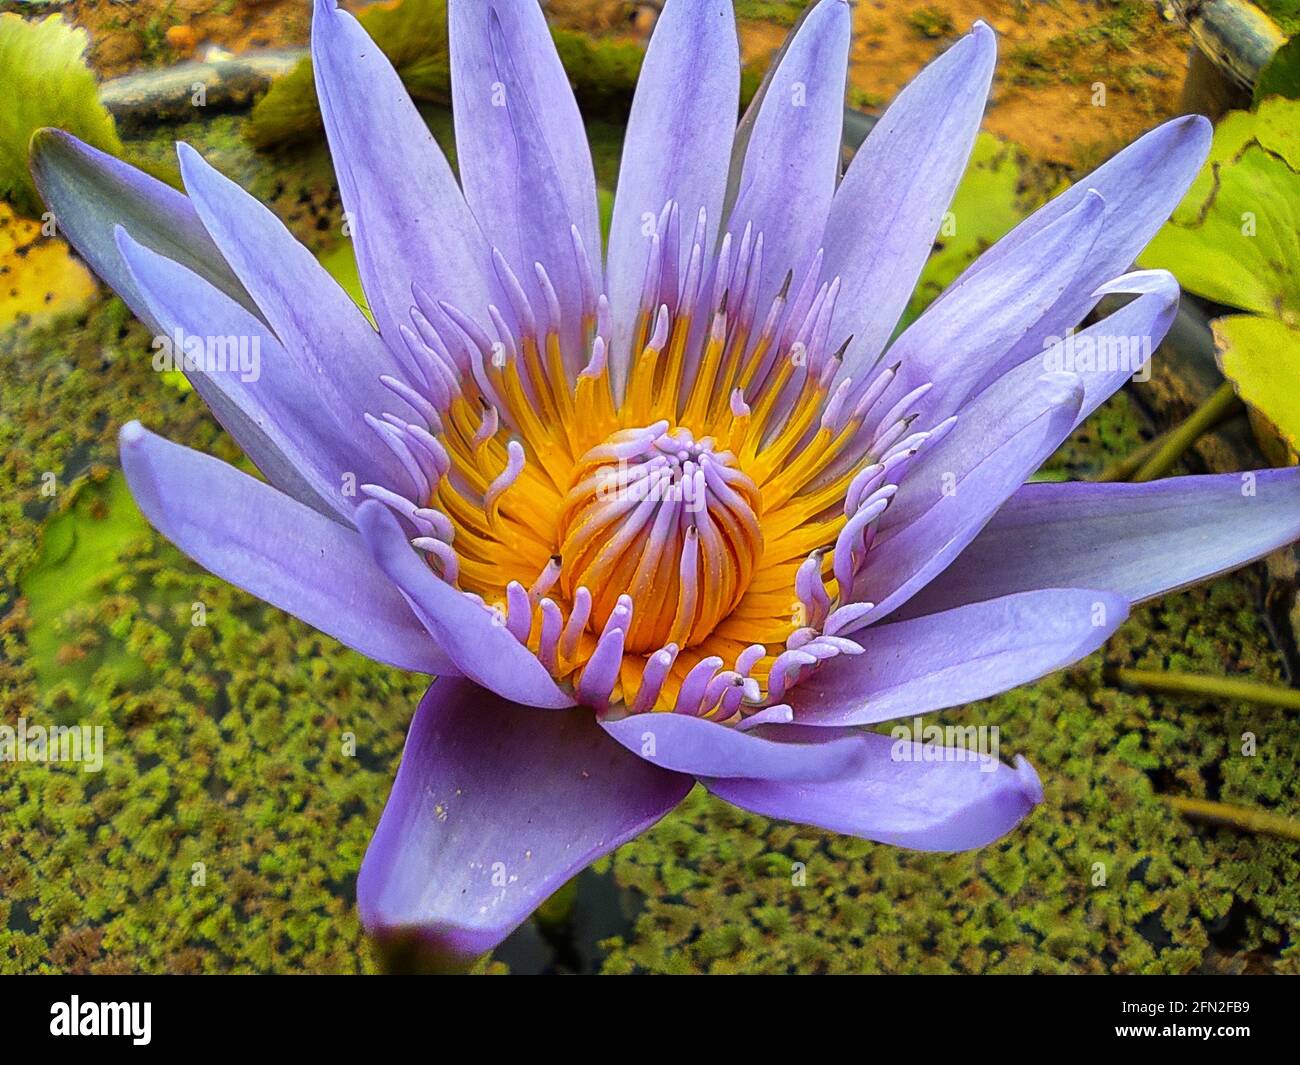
column 226, row 828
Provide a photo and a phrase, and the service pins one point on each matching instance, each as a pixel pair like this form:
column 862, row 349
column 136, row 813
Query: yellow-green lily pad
column 1235, row 238
column 39, row 277
column 1261, row 356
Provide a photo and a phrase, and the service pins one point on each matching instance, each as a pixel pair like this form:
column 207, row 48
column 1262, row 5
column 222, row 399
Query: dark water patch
column 570, row 944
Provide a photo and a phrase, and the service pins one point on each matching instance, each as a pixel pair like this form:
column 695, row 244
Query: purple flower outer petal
column 1121, row 343
column 955, row 488
column 1142, row 322
column 887, row 211
column 1141, row 186
column 474, row 638
column 907, row 795
column 408, row 218
column 275, row 548
column 528, row 219
column 967, row 331
column 91, row 193
column 281, row 423
column 308, row 310
column 958, row 656
column 1139, row 540
column 493, row 810
column 705, row 748
column 793, row 158
column 677, row 147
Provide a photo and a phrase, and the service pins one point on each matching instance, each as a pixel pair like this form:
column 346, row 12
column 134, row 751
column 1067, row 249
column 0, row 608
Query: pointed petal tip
column 44, row 138
column 1140, row 283
column 131, row 435
column 1030, row 784
column 1193, row 133
column 190, row 160
column 122, row 238
column 1196, row 125
column 982, row 32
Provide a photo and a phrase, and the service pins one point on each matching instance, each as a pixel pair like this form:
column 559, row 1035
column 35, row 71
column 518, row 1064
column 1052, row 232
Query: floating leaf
column 1261, row 356
column 80, row 551
column 39, row 278
column 44, row 81
column 1235, row 238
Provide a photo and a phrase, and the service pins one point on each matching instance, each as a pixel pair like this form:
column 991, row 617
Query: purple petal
column 887, row 210
column 249, row 534
column 408, row 218
column 792, row 161
column 958, row 656
column 955, row 488
column 1139, row 540
column 313, row 317
column 677, row 147
column 1122, row 342
column 907, row 794
column 493, row 810
column 521, row 146
column 91, row 193
column 481, row 647
column 704, row 748
column 274, row 409
column 1141, row 187
column 964, row 336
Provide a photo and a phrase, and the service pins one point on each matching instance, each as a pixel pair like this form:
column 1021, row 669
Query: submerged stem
column 1124, row 468
column 1204, row 418
column 1248, row 691
column 1239, row 817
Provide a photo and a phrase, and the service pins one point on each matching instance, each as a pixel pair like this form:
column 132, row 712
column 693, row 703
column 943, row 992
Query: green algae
column 226, row 828
column 45, row 81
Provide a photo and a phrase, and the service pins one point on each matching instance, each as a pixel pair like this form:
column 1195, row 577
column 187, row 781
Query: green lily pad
column 81, row 552
column 44, row 81
column 1235, row 238
column 1261, row 356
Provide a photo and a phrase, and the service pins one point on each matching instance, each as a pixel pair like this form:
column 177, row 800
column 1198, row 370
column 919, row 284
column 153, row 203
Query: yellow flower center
column 682, row 539
column 670, row 522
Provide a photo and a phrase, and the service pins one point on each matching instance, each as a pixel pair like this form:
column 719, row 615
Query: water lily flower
column 678, row 510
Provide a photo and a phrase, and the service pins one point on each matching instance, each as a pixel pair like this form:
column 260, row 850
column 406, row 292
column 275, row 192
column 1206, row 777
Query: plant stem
column 1247, row 691
column 1239, row 817
column 1200, row 421
column 1124, row 468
